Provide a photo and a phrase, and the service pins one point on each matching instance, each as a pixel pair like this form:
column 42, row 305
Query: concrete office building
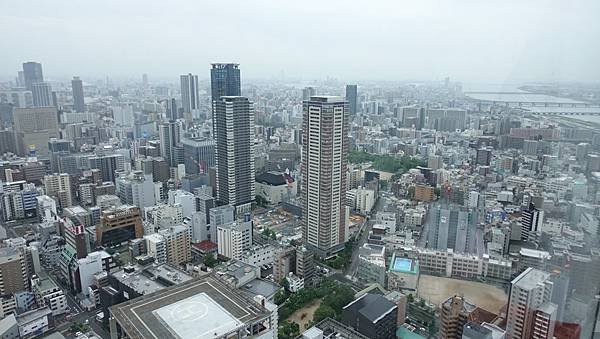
column 119, row 224
column 169, row 139
column 17, row 97
column 325, row 143
column 532, row 220
column 136, row 188
column 13, row 271
column 34, row 127
column 42, row 95
column 233, row 119
column 59, row 186
column 198, row 154
column 47, row 293
column 473, row 330
column 308, row 92
column 189, row 95
column 32, row 74
column 352, row 98
column 108, row 165
column 372, row 315
column 78, row 99
column 226, row 313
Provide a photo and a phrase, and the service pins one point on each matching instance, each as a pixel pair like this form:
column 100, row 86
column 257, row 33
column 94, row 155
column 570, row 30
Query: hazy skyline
column 488, row 41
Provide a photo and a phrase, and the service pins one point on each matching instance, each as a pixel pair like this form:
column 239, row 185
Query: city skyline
column 375, row 170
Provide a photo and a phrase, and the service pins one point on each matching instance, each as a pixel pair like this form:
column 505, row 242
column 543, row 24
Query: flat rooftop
column 403, row 265
column 200, row 308
column 530, row 278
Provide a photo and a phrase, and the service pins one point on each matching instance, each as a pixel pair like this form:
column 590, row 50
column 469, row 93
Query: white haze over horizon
column 471, row 41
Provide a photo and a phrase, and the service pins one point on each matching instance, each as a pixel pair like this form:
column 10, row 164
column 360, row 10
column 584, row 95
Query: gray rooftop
column 7, row 322
column 372, row 306
column 530, row 278
column 327, row 98
column 146, row 280
column 261, row 287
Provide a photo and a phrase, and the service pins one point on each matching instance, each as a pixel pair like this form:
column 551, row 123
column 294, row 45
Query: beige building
column 177, row 244
column 13, row 271
column 59, row 186
column 424, row 193
column 34, row 127
column 325, row 144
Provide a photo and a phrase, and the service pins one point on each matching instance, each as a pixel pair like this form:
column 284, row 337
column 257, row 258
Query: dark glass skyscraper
column 225, row 80
column 352, row 98
column 171, row 110
column 32, row 73
column 77, row 87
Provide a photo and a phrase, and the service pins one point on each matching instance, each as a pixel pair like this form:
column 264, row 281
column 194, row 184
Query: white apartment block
column 259, row 255
column 530, row 313
column 156, row 247
column 47, row 293
column 360, row 199
column 234, row 238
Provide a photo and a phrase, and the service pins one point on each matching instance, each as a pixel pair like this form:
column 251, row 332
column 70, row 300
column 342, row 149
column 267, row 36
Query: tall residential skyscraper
column 32, row 74
column 225, row 80
column 77, row 87
column 233, row 118
column 352, row 98
column 189, row 95
column 42, row 94
column 325, row 130
column 530, row 313
column 169, row 138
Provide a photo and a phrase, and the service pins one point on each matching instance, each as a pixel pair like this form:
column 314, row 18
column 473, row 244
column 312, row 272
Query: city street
column 363, row 234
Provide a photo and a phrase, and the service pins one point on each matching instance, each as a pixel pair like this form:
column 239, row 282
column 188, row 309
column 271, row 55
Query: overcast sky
column 469, row 40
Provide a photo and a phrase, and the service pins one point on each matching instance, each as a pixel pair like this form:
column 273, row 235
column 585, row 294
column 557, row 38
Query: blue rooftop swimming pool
column 402, row 264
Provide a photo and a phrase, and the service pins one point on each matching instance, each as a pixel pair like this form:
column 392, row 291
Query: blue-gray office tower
column 78, row 98
column 32, row 74
column 352, row 98
column 171, row 110
column 225, row 80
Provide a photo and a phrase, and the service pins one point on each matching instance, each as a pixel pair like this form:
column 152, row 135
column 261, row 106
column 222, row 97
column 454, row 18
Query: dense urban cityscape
column 214, row 205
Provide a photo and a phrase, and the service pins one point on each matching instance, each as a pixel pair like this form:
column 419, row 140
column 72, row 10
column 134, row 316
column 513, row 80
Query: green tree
column 209, row 260
column 266, row 232
column 280, row 297
column 410, row 298
column 288, row 330
column 260, row 201
column 323, row 312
